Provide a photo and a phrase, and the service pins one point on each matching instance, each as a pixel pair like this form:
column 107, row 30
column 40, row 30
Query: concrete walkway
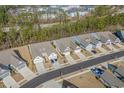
column 70, row 59
column 121, row 46
column 102, row 49
column 51, row 84
column 10, row 82
column 40, row 68
column 27, row 73
column 82, row 57
column 56, row 65
column 112, row 47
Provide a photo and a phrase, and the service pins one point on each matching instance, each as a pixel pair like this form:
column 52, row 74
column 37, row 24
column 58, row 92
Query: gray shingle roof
column 38, row 49
column 85, row 40
column 112, row 80
column 120, row 70
column 64, row 43
column 102, row 37
column 94, row 40
column 10, row 57
column 112, row 37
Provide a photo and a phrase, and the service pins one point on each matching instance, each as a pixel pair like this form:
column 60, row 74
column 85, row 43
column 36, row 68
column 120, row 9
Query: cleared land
column 24, row 52
column 86, row 53
column 106, row 48
column 74, row 56
column 62, row 60
column 116, row 46
column 17, row 77
column 119, row 64
column 48, row 65
column 2, row 84
column 86, row 80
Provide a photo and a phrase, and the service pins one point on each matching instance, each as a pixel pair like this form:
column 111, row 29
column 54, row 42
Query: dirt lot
column 48, row 65
column 74, row 56
column 86, row 53
column 119, row 63
column 106, row 48
column 2, row 84
column 115, row 46
column 86, row 80
column 17, row 77
column 24, row 52
column 62, row 60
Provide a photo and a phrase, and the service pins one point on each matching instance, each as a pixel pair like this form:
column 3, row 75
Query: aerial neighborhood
column 21, row 64
column 70, row 50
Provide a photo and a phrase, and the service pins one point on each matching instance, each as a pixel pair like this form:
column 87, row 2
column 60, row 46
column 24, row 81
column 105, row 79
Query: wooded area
column 100, row 20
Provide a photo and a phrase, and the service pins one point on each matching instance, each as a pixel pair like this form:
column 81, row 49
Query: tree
column 3, row 15
column 100, row 23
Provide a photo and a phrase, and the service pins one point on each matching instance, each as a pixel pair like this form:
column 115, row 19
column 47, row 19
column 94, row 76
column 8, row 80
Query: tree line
column 93, row 23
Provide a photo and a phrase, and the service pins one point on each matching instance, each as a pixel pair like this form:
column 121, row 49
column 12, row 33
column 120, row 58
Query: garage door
column 26, row 73
column 10, row 82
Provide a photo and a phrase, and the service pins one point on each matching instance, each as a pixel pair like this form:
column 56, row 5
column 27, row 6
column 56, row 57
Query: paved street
column 56, row 73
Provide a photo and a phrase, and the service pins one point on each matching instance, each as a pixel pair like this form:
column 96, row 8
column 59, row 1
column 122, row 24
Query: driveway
column 10, row 82
column 80, row 55
column 26, row 73
column 70, row 59
column 102, row 49
column 111, row 47
column 56, row 65
column 40, row 68
column 121, row 46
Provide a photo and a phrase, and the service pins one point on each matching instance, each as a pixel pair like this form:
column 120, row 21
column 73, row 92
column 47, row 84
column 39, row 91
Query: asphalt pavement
column 66, row 70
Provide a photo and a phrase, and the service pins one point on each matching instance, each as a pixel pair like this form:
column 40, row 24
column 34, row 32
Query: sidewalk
column 10, row 82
